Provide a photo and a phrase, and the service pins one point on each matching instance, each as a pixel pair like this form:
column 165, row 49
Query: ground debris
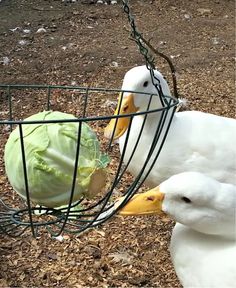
column 123, row 252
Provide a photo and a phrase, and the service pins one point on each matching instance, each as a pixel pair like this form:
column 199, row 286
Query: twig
column 172, row 68
column 44, row 10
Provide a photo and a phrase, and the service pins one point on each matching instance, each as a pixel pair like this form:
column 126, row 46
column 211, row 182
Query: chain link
column 136, row 35
column 149, row 59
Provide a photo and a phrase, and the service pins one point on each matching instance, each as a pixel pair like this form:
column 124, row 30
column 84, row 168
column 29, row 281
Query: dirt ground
column 87, row 44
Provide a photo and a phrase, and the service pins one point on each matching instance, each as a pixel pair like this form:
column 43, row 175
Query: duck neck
column 153, row 119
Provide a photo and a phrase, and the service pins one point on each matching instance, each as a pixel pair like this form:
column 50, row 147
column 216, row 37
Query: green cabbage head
column 50, row 151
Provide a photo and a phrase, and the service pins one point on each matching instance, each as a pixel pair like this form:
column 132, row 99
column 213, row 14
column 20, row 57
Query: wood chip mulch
column 87, row 45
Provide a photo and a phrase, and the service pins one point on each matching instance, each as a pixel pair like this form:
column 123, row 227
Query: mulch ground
column 88, row 45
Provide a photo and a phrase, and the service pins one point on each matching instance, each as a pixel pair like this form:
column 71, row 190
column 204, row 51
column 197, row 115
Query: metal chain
column 136, row 35
column 149, row 59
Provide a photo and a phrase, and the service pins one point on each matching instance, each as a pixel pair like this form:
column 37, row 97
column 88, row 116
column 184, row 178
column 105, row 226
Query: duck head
column 192, row 199
column 139, row 82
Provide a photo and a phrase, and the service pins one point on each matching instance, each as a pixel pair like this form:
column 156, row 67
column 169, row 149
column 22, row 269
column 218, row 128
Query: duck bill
column 146, row 203
column 120, row 125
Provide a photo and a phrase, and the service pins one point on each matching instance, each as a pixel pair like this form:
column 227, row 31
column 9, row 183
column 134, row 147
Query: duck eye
column 145, row 84
column 186, row 200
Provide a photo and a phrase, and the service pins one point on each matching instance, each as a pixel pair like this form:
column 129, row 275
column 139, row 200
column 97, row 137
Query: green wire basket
column 18, row 215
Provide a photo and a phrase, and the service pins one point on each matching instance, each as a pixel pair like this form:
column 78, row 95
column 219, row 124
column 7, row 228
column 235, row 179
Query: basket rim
column 69, row 87
column 172, row 102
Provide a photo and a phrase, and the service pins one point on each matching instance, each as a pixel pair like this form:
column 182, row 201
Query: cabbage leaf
column 50, row 151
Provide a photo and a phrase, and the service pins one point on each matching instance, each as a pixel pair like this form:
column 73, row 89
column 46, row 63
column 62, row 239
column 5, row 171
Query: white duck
column 196, row 141
column 203, row 246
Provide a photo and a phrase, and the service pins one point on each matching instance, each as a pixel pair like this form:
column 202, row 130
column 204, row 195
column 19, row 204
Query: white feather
column 203, row 242
column 196, row 141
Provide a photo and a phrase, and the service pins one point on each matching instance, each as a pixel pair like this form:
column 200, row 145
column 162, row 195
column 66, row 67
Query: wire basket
column 19, row 215
column 91, row 106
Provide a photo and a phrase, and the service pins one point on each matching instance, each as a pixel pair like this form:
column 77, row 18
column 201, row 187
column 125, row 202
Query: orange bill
column 127, row 106
column 146, row 203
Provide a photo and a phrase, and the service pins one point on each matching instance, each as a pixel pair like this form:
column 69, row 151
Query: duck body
column 203, row 241
column 196, row 141
column 200, row 151
column 202, row 260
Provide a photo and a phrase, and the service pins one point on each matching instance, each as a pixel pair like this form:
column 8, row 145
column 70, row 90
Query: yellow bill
column 127, row 107
column 146, row 203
